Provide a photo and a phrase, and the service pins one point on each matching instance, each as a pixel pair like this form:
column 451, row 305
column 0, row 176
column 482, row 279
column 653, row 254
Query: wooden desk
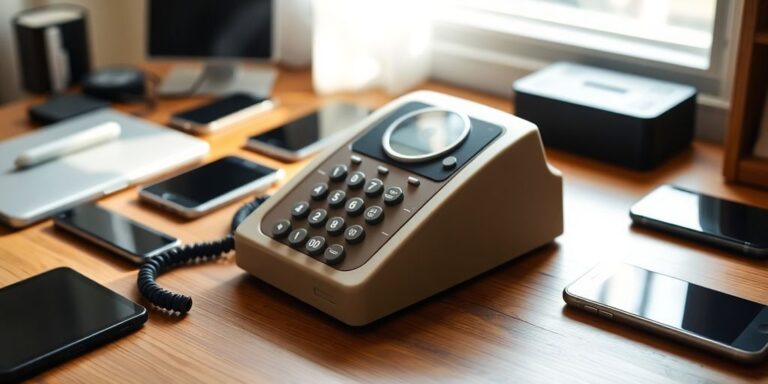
column 508, row 325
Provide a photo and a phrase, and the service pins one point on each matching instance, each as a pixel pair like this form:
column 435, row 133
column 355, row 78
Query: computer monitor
column 224, row 33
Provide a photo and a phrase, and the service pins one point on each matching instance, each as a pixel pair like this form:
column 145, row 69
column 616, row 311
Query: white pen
column 79, row 141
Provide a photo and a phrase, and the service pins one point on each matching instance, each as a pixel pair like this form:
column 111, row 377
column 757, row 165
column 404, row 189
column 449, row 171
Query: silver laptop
column 142, row 150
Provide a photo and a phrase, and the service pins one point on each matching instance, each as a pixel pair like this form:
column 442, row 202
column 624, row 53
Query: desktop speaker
column 627, row 120
column 52, row 47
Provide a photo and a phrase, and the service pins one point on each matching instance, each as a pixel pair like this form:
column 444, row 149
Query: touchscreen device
column 198, row 191
column 308, row 134
column 221, row 112
column 115, row 232
column 695, row 315
column 728, row 224
column 56, row 315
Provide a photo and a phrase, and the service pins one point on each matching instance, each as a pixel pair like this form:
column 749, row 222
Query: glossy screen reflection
column 706, row 214
column 117, row 230
column 52, row 310
column 209, row 181
column 427, row 133
column 676, row 303
column 314, row 127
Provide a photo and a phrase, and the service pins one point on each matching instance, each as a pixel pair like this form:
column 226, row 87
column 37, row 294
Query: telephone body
column 427, row 192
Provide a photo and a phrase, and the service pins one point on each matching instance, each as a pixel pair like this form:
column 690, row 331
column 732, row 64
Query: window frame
column 481, row 56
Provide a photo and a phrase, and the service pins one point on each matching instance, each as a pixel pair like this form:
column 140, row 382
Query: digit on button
column 315, row 245
column 356, row 180
column 335, row 226
column 319, row 191
column 374, row 188
column 338, row 172
column 337, row 198
column 355, row 206
column 298, row 237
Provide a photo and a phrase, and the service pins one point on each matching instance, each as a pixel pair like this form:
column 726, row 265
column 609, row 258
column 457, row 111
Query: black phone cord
column 187, row 254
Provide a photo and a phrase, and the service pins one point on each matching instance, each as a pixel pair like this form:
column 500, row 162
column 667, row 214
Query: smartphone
column 114, row 232
column 308, row 134
column 721, row 323
column 213, row 185
column 221, row 113
column 728, row 224
column 55, row 316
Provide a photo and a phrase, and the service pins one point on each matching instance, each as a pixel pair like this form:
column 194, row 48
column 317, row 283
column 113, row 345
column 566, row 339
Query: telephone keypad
column 334, row 254
column 337, row 198
column 347, row 215
column 319, row 191
column 338, row 172
column 355, row 206
column 315, row 245
column 374, row 214
column 298, row 237
column 393, row 195
column 335, row 226
column 354, row 234
column 281, row 229
column 374, row 188
column 356, row 180
column 317, row 217
column 300, row 210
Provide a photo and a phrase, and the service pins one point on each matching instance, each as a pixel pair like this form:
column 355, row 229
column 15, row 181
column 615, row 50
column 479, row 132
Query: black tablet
column 56, row 315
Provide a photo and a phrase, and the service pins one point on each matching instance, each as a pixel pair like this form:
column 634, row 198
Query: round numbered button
column 281, row 229
column 354, row 234
column 338, row 173
column 374, row 214
column 374, row 188
column 300, row 210
column 319, row 191
column 355, row 206
column 334, row 254
column 335, row 226
column 297, row 237
column 393, row 195
column 315, row 245
column 337, row 198
column 317, row 217
column 356, row 180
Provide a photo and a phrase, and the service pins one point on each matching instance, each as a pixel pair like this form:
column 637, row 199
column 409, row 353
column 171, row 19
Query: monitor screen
column 210, row 29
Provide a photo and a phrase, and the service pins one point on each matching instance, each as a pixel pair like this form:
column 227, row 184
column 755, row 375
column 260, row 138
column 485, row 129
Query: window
column 674, row 31
column 487, row 44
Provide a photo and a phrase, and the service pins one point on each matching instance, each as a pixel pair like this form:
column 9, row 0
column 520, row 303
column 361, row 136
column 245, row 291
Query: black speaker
column 52, row 45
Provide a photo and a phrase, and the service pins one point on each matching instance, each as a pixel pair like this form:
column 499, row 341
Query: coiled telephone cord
column 183, row 255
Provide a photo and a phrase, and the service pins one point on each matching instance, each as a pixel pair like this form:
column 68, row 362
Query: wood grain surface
column 508, row 325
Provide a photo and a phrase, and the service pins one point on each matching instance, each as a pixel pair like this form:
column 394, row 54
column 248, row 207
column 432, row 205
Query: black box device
column 627, row 120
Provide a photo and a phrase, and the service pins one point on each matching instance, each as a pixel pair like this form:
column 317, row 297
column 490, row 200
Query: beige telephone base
column 448, row 224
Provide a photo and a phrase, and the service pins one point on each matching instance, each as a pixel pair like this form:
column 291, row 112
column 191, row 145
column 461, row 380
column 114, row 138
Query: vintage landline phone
column 428, row 191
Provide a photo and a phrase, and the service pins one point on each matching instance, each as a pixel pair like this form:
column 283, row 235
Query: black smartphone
column 55, row 316
column 702, row 317
column 114, row 232
column 728, row 224
column 308, row 134
column 220, row 113
column 213, row 185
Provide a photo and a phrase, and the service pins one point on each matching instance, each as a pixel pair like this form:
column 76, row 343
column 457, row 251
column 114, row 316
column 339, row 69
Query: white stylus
column 88, row 138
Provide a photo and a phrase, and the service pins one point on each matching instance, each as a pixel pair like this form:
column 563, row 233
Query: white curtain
column 362, row 44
